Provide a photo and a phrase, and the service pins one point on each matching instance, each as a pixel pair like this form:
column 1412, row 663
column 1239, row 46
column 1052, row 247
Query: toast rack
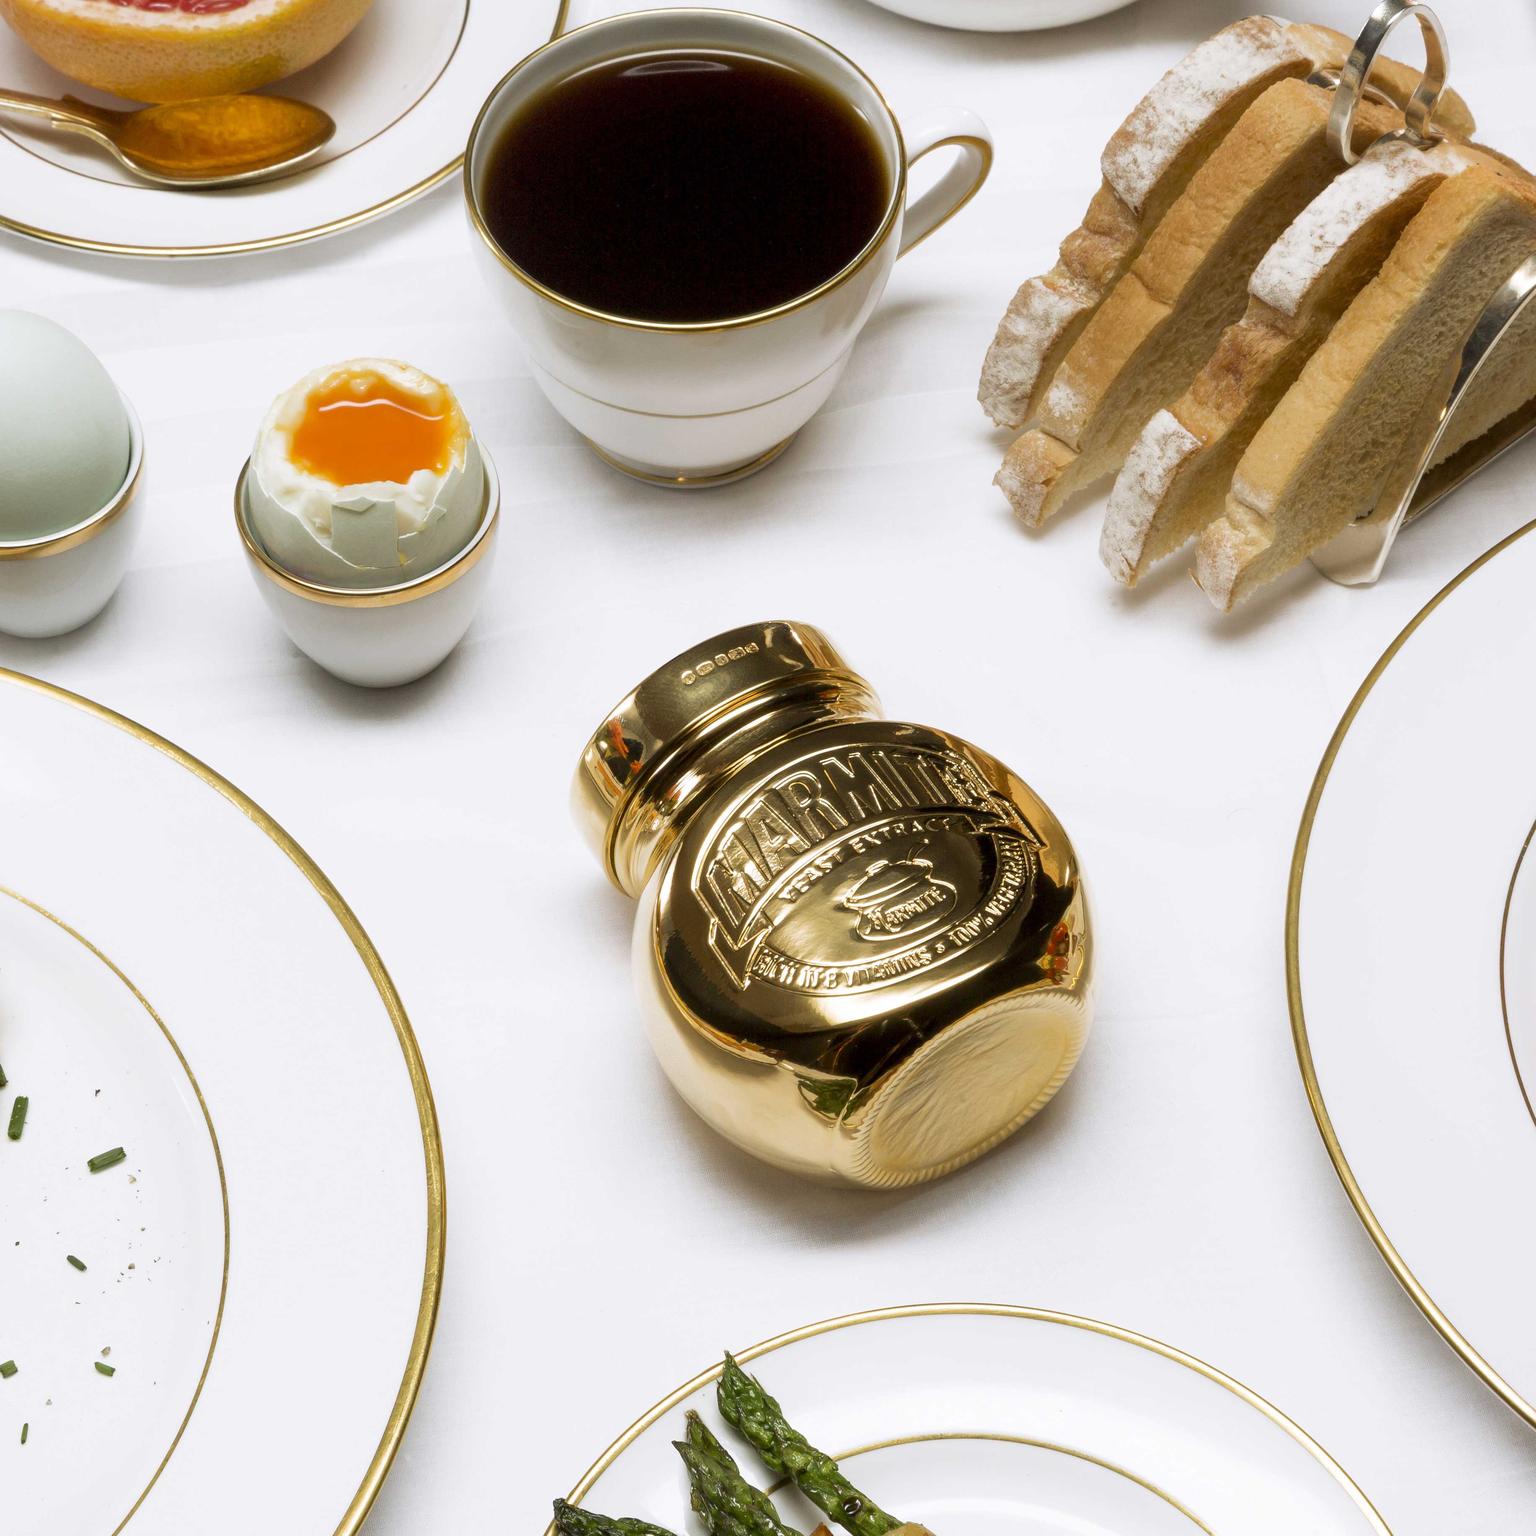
column 1357, row 556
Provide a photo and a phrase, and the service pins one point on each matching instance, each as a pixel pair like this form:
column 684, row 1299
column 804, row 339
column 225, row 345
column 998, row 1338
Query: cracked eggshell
column 374, row 534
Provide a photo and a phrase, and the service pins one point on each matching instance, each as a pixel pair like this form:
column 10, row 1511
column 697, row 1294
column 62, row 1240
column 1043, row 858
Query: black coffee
column 685, row 186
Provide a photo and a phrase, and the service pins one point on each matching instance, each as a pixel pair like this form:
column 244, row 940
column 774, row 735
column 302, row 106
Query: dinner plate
column 1002, row 15
column 225, row 1327
column 1411, row 959
column 404, row 89
column 1004, row 1421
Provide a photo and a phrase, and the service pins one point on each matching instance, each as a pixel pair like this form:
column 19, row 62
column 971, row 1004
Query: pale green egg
column 64, row 439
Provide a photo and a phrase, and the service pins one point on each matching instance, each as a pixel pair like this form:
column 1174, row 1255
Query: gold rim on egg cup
column 377, row 597
column 87, row 529
column 895, row 202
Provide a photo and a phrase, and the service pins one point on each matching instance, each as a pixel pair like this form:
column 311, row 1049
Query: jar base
column 970, row 1088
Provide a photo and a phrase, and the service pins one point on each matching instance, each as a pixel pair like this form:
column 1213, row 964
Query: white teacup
column 701, row 403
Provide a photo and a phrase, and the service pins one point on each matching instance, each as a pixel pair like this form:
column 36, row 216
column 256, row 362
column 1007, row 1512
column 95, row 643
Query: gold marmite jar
column 862, row 946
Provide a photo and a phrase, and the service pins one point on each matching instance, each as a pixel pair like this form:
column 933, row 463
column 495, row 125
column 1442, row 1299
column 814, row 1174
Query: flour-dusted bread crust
column 1175, row 478
column 1146, row 166
column 1163, row 318
column 1360, row 408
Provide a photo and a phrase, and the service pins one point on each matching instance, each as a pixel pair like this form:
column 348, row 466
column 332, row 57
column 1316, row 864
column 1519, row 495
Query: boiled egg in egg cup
column 71, row 456
column 368, row 512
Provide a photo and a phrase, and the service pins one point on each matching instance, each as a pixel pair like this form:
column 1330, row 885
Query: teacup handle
column 946, row 128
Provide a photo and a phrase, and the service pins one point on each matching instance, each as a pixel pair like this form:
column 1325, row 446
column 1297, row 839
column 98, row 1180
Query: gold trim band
column 986, row 1309
column 1368, row 1218
column 377, row 597
column 872, row 247
column 1021, row 1440
column 97, row 522
column 1509, row 1028
column 692, row 482
column 738, row 410
column 218, row 1163
column 426, row 1111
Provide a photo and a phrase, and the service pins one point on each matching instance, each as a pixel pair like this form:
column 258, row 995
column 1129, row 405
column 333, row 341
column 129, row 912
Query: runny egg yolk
column 362, row 428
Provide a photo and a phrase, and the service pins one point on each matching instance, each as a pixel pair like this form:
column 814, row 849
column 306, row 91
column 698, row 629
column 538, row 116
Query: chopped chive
column 7, row 1368
column 78, row 1263
column 4, row 1080
column 104, row 1369
column 106, row 1159
column 24, row 1429
column 18, row 1117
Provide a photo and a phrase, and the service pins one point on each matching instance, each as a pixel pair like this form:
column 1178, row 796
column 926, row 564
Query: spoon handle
column 67, row 113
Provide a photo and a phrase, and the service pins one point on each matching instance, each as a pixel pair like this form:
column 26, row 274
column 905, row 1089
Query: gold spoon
column 214, row 141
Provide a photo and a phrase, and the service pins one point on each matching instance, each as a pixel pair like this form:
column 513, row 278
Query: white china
column 1002, row 15
column 1005, row 1421
column 262, row 1268
column 699, row 404
column 403, row 89
column 380, row 637
column 1411, row 941
column 56, row 583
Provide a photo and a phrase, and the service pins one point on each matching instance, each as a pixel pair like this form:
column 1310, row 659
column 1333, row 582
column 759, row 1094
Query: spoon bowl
column 214, row 141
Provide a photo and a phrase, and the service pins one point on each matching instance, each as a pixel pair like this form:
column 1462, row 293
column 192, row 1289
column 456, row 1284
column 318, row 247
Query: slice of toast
column 1146, row 166
column 1164, row 317
column 1371, row 392
column 1175, row 479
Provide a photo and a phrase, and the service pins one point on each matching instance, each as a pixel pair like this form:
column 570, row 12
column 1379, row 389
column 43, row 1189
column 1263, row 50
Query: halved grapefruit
column 173, row 50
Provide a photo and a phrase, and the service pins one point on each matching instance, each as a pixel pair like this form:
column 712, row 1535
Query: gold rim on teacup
column 87, row 529
column 894, row 204
column 377, row 597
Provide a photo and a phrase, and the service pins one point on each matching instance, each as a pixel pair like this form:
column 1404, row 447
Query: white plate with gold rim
column 1003, row 1421
column 1411, row 959
column 404, row 89
column 262, row 1267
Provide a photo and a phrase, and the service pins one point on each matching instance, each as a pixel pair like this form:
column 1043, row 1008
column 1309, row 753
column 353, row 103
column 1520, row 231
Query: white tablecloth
column 602, row 1244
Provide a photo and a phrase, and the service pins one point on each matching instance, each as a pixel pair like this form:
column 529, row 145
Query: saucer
column 1002, row 15
column 403, row 89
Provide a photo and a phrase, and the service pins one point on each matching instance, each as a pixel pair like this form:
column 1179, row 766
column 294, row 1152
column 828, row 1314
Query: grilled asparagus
column 727, row 1503
column 759, row 1419
column 571, row 1521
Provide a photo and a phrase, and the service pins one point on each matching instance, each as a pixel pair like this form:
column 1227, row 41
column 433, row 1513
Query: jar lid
column 678, row 710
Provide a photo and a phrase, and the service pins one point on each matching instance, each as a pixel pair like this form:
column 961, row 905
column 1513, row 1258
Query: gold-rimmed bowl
column 57, row 581
column 378, row 637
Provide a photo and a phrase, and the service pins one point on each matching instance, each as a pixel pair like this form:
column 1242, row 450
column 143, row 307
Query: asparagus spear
column 727, row 1503
column 571, row 1521
column 760, row 1420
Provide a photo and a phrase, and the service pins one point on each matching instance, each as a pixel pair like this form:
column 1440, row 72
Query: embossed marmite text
column 910, row 847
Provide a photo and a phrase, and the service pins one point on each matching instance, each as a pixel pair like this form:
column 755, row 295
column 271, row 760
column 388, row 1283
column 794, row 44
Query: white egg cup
column 56, row 582
column 378, row 637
